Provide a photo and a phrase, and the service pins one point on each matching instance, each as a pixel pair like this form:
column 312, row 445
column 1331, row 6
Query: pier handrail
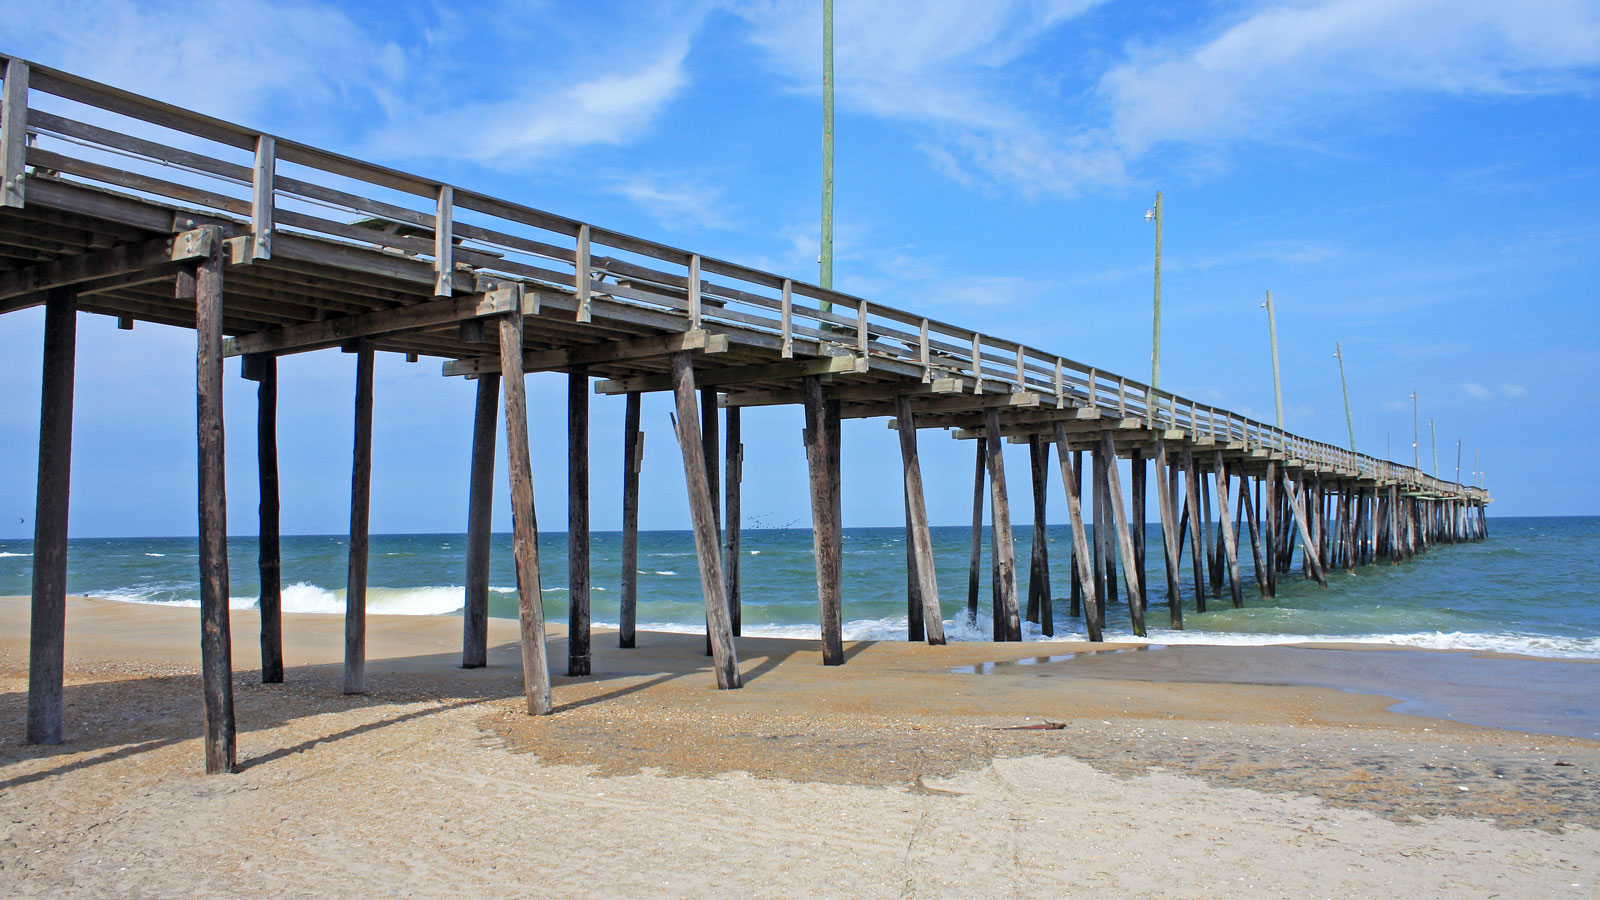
column 295, row 198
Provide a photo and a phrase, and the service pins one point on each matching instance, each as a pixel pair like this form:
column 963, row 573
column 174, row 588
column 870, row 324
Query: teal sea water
column 1529, row 589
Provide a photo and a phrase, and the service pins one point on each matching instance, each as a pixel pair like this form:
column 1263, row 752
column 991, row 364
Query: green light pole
column 1277, row 384
column 1435, row 435
column 1155, row 340
column 1349, row 422
column 827, row 150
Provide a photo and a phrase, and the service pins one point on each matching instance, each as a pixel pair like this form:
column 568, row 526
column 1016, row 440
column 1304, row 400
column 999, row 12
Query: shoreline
column 892, row 772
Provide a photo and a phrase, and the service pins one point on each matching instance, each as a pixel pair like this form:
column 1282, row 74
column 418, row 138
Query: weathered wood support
column 1071, row 466
column 47, row 627
column 824, row 533
column 1308, row 544
column 480, row 509
column 1197, row 542
column 1136, row 524
column 731, row 520
column 269, row 558
column 355, row 609
column 703, row 512
column 1119, row 516
column 1230, row 541
column 578, row 614
column 1040, row 608
column 1076, row 602
column 216, row 645
column 524, row 524
column 982, row 445
column 1269, row 509
column 1255, row 535
column 1008, row 624
column 918, row 537
column 1171, row 540
column 632, row 457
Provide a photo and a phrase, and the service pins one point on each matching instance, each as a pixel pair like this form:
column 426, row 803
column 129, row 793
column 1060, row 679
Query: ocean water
column 1528, row 589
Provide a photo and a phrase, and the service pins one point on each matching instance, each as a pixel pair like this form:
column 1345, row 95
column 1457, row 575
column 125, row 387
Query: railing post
column 788, row 319
column 444, row 243
column 694, row 293
column 1022, row 384
column 922, row 346
column 263, row 197
column 1061, row 392
column 14, row 133
column 580, row 273
column 861, row 327
column 977, row 363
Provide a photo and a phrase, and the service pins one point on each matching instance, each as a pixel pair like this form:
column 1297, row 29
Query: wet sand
column 1184, row 772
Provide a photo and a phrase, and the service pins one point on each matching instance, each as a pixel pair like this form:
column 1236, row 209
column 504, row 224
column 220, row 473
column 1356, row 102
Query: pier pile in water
column 159, row 214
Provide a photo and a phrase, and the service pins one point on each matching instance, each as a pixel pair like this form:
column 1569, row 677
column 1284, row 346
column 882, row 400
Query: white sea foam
column 13, row 555
column 302, row 597
column 155, row 554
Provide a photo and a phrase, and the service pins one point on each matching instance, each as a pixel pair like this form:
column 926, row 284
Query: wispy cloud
column 1508, row 391
column 675, row 203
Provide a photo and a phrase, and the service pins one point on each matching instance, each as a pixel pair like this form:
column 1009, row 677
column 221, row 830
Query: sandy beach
column 971, row 770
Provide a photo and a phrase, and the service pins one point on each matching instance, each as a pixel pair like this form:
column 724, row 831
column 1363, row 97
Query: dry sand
column 891, row 777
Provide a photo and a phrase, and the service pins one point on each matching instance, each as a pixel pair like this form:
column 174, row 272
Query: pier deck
column 119, row 205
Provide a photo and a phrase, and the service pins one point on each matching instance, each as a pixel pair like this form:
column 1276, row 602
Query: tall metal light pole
column 1349, row 422
column 1277, row 384
column 1434, row 433
column 827, row 150
column 1155, row 340
column 1416, row 452
column 1458, row 460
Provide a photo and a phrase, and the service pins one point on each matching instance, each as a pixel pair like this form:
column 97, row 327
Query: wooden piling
column 480, row 510
column 216, row 645
column 1136, row 523
column 1171, row 540
column 578, row 611
column 982, row 445
column 1076, row 487
column 1308, row 545
column 824, row 534
column 1040, row 609
column 47, row 627
column 631, row 458
column 1269, row 513
column 732, row 524
column 1119, row 516
column 918, row 536
column 1071, row 466
column 1197, row 543
column 1254, row 524
column 355, row 603
column 524, row 524
column 269, row 556
column 1008, row 624
column 1230, row 541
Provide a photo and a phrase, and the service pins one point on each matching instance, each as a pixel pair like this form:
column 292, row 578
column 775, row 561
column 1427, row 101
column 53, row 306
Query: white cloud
column 1396, row 405
column 1477, row 391
column 674, row 202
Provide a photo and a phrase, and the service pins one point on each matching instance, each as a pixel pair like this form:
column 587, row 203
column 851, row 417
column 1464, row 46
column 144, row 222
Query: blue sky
column 1414, row 179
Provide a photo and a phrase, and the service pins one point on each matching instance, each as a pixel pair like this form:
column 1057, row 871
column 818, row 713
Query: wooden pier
column 115, row 204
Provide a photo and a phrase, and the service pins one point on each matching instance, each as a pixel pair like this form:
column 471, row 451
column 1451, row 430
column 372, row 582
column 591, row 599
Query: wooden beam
column 982, row 446
column 1309, row 547
column 725, row 659
column 827, row 365
column 216, row 646
column 1008, row 625
column 598, row 354
column 845, row 392
column 1171, row 540
column 269, row 556
column 733, row 475
column 355, row 596
column 1191, row 474
column 959, row 403
column 333, row 332
column 524, row 531
column 47, row 626
column 480, row 510
column 1132, row 577
column 1093, row 615
column 1040, row 608
column 1250, row 516
column 194, row 244
column 917, row 534
column 1230, row 540
column 13, row 135
column 632, row 459
column 824, row 533
column 578, row 522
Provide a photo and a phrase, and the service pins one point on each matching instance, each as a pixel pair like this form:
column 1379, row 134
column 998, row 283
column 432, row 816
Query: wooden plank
column 1008, row 625
column 846, row 392
column 216, row 646
column 824, row 530
column 333, row 332
column 599, row 354
column 1130, row 569
column 13, row 137
column 1230, row 540
column 355, row 597
column 1093, row 614
column 47, row 625
column 918, row 535
column 578, row 615
column 828, row 365
column 703, row 513
column 269, row 556
column 480, row 511
column 193, row 244
column 930, row 405
column 632, row 457
column 524, row 531
column 731, row 520
column 977, row 530
column 1171, row 540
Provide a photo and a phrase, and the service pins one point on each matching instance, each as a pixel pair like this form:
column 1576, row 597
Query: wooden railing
column 295, row 199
